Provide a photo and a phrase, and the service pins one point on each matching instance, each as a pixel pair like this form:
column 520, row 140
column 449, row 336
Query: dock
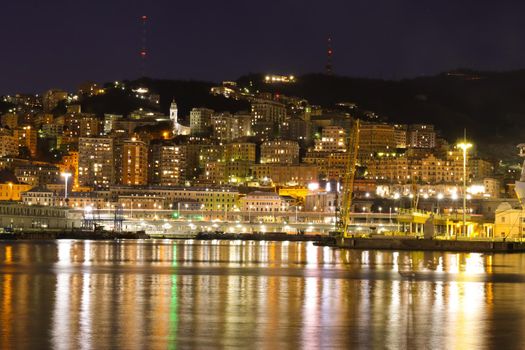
column 268, row 236
column 421, row 244
column 71, row 234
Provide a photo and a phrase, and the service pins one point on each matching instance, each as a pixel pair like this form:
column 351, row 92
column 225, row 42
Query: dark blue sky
column 60, row 44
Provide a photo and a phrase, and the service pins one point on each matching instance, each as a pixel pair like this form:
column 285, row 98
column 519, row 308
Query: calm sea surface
column 255, row 295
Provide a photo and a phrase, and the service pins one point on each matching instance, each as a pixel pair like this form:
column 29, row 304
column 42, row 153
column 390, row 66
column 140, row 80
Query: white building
column 333, row 139
column 200, row 120
column 178, row 129
column 421, row 136
column 264, row 206
column 321, row 201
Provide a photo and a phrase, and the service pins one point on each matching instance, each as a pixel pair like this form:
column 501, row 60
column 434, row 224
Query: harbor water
column 164, row 294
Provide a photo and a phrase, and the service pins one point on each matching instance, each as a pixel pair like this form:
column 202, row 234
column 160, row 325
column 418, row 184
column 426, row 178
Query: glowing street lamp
column 10, row 190
column 66, row 177
column 440, row 196
column 88, row 210
column 464, row 146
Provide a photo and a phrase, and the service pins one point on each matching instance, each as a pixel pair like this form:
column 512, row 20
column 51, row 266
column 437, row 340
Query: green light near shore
column 175, row 215
column 174, row 306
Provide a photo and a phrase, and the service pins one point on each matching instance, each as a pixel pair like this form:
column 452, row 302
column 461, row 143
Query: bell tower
column 173, row 113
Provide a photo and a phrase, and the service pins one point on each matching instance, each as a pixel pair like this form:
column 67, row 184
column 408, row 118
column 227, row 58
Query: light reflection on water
column 220, row 294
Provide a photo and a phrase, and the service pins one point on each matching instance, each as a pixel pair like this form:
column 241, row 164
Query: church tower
column 173, row 113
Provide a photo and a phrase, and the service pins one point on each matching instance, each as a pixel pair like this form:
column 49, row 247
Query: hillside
column 490, row 105
column 188, row 94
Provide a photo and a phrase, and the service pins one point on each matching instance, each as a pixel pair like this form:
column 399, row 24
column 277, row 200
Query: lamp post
column 464, row 146
column 439, row 198
column 10, row 191
column 66, row 177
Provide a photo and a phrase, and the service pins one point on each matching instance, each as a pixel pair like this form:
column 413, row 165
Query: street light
column 296, row 217
column 88, row 209
column 10, row 190
column 66, row 177
column 464, row 146
column 439, row 197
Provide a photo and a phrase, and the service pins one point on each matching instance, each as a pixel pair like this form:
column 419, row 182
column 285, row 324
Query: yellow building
column 221, row 173
column 300, row 174
column 10, row 120
column 280, row 152
column 70, row 165
column 89, row 126
column 403, row 169
column 240, row 151
column 298, row 193
column 331, row 164
column 134, row 162
column 27, row 137
column 509, row 222
column 376, row 137
column 423, row 223
column 51, row 98
column 167, row 163
column 96, row 160
column 268, row 111
column 11, row 192
column 210, row 198
column 8, row 144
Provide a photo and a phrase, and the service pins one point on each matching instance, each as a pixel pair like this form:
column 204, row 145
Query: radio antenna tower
column 143, row 50
column 329, row 53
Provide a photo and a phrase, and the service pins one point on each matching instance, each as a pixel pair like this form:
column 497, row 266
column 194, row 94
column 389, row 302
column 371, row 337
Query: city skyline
column 292, row 174
column 61, row 45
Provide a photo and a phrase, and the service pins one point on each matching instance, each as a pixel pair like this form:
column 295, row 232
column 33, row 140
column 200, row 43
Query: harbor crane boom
column 343, row 216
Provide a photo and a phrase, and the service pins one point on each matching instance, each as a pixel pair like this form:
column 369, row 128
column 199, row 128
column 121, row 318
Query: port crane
column 344, row 209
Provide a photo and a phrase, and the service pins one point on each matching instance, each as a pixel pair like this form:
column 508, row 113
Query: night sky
column 60, row 44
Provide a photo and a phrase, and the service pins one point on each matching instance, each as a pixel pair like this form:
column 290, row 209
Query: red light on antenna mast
column 144, row 18
column 143, row 53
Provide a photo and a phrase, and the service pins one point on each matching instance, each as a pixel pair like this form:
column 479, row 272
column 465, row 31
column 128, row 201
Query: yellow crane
column 352, row 147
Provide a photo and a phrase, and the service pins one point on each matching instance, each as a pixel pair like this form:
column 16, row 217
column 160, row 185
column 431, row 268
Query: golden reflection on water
column 165, row 294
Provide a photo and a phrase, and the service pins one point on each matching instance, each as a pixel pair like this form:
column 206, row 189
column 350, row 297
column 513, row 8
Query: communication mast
column 143, row 50
column 329, row 53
